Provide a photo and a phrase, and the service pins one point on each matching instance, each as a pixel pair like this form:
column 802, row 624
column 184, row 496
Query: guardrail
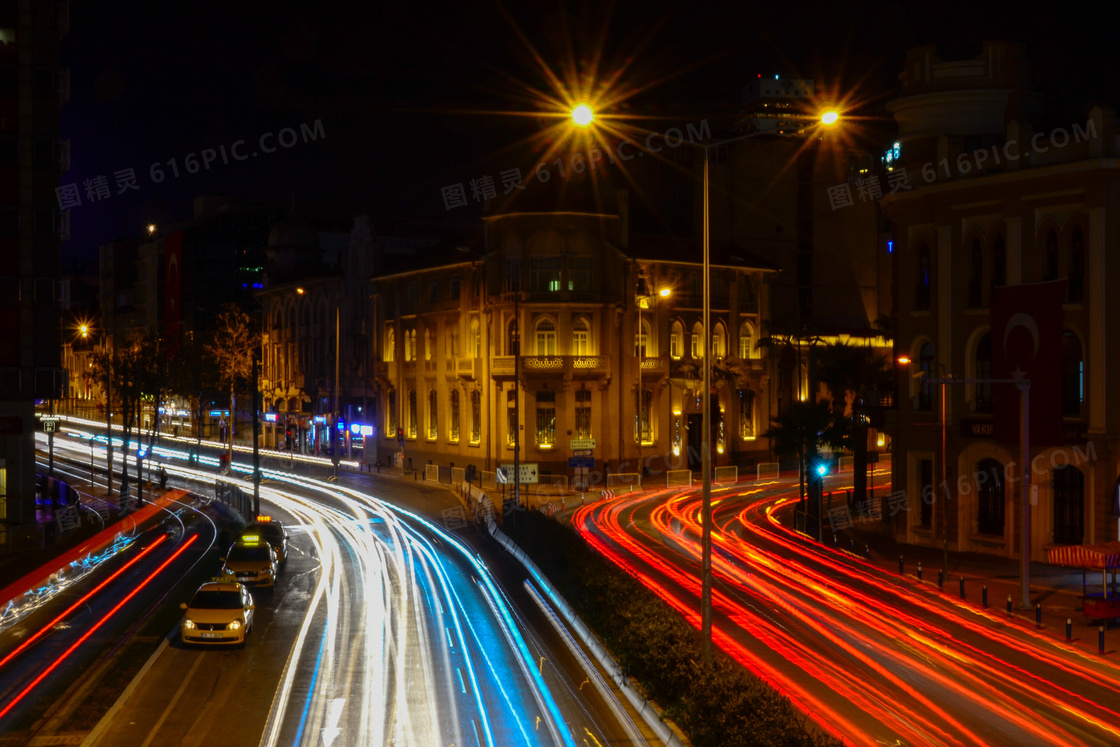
column 678, row 478
column 767, row 471
column 726, row 474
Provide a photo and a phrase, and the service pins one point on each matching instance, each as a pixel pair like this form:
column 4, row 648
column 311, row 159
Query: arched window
column 719, row 342
column 546, row 337
column 1050, row 256
column 476, row 338
column 391, row 415
column 983, row 401
column 1073, row 375
column 999, row 262
column 990, row 497
column 581, row 337
column 429, row 343
column 1076, row 287
column 746, row 414
column 453, row 418
column 975, row 275
column 433, row 404
column 746, row 341
column 925, row 364
column 696, row 342
column 390, row 344
column 922, row 286
column 411, row 413
column 641, row 340
column 676, row 341
column 410, row 344
column 1068, row 485
column 476, row 417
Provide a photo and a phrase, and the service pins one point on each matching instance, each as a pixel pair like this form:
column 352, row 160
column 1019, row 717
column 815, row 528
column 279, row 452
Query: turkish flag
column 1027, row 343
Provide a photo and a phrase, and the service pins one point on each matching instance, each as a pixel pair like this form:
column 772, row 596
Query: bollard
column 1100, row 639
column 581, row 498
column 834, row 540
column 901, row 567
column 940, row 580
column 1069, row 630
column 852, row 544
column 962, row 586
column 1038, row 616
column 866, row 552
column 919, row 570
column 985, row 602
column 564, row 503
column 1009, row 604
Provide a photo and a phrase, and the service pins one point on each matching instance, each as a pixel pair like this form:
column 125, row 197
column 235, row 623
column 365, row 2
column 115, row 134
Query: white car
column 220, row 612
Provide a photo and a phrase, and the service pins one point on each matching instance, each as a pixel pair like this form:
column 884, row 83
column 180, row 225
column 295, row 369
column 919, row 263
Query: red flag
column 1027, row 343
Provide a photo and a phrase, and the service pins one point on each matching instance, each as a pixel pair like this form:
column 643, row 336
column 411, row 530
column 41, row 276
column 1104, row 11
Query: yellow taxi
column 220, row 612
column 272, row 531
column 253, row 561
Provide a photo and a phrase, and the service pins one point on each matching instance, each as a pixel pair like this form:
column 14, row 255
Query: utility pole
column 517, row 397
column 334, row 425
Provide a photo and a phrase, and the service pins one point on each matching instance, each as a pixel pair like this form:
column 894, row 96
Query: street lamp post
column 334, row 425
column 1024, row 386
column 828, row 119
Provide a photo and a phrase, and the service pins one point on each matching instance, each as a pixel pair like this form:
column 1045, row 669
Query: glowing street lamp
column 582, row 115
column 830, row 118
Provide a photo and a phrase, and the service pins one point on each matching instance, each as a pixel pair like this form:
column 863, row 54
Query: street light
column 828, row 119
column 582, row 115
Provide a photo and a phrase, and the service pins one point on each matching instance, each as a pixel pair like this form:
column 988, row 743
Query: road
column 384, row 628
column 871, row 657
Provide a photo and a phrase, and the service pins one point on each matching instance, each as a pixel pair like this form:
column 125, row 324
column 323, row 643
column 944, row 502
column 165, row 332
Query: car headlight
column 235, row 625
column 188, row 623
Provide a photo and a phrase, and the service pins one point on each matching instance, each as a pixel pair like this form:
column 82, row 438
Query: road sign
column 581, row 443
column 581, row 461
column 528, row 473
column 583, row 452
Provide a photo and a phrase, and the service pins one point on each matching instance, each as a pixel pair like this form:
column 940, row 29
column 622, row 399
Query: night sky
column 411, row 96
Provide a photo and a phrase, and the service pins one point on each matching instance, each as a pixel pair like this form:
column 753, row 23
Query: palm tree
column 861, row 372
column 801, row 429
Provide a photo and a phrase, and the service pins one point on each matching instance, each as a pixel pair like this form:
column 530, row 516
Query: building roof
column 675, row 249
column 461, row 249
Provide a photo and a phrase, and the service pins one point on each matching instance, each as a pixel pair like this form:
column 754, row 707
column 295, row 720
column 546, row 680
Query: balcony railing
column 470, row 368
column 655, row 367
column 568, row 365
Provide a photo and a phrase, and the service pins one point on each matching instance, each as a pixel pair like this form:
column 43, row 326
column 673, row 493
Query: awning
column 1100, row 556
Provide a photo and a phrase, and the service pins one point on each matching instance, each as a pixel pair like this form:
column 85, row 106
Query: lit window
column 643, row 425
column 453, row 422
column 433, row 429
column 476, row 417
column 581, row 337
column 546, row 418
column 412, row 414
column 546, row 337
column 583, row 413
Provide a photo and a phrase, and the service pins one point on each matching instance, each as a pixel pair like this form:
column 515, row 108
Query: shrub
column 716, row 704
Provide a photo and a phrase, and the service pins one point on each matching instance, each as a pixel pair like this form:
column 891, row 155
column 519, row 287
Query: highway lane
column 55, row 638
column 395, row 632
column 871, row 657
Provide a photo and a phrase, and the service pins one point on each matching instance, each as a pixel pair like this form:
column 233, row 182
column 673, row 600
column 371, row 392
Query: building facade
column 998, row 204
column 33, row 156
column 582, row 344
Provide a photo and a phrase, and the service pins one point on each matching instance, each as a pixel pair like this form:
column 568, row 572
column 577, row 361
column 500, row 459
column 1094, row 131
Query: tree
column 860, row 372
column 232, row 350
column 193, row 376
column 801, row 429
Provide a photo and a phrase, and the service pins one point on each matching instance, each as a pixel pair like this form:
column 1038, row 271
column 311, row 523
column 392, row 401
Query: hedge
column 716, row 704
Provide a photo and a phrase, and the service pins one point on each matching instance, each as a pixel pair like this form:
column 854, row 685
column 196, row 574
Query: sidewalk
column 1056, row 588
